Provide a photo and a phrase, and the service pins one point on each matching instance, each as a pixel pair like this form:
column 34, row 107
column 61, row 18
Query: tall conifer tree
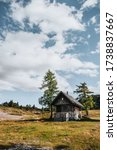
column 49, row 86
column 84, row 96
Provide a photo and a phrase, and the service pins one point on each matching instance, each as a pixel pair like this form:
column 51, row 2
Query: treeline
column 13, row 104
column 96, row 99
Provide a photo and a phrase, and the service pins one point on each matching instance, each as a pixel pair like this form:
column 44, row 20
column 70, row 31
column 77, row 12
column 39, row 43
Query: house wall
column 62, row 101
column 66, row 116
column 76, row 113
column 64, row 108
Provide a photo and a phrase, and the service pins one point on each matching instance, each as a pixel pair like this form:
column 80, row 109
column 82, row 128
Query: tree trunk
column 87, row 113
column 42, row 109
column 51, row 112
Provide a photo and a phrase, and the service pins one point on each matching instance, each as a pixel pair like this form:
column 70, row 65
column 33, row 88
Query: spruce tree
column 84, row 96
column 49, row 86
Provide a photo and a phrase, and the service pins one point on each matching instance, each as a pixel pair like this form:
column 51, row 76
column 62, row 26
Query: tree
column 33, row 107
column 11, row 103
column 83, row 96
column 50, row 88
column 41, row 102
column 96, row 99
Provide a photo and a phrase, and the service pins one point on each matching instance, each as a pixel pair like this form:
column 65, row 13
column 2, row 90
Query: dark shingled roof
column 70, row 98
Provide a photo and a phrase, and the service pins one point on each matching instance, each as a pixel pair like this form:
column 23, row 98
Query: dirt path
column 6, row 116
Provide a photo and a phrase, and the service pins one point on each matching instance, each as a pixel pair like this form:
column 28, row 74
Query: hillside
column 10, row 113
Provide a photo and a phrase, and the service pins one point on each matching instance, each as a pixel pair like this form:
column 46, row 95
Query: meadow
column 34, row 131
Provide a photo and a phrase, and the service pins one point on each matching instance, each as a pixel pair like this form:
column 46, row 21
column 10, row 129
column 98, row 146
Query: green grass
column 74, row 135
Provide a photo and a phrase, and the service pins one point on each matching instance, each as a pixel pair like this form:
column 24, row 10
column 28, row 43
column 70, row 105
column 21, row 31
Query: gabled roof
column 69, row 97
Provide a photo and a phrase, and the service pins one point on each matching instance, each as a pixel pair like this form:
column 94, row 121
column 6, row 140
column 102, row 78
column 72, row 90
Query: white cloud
column 88, row 36
column 24, row 58
column 60, row 46
column 24, row 61
column 63, row 83
column 97, row 50
column 97, row 29
column 4, row 85
column 5, row 1
column 89, row 72
column 82, row 40
column 49, row 16
column 93, row 20
column 89, row 4
column 95, row 89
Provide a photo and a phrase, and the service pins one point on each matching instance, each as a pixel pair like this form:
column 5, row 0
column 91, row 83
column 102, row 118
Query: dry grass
column 34, row 114
column 74, row 135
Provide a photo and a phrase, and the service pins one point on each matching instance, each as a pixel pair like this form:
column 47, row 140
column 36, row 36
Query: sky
column 37, row 35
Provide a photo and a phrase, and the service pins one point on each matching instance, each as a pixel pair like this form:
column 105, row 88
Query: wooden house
column 66, row 107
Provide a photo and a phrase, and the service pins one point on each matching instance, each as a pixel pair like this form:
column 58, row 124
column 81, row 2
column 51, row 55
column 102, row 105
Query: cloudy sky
column 37, row 35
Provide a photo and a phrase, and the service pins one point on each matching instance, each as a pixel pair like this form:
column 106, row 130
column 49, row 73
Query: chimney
column 67, row 93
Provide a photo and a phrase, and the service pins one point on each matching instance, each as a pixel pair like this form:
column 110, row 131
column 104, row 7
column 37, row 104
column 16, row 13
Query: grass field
column 72, row 135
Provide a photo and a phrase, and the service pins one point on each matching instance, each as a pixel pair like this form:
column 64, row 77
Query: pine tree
column 50, row 88
column 83, row 96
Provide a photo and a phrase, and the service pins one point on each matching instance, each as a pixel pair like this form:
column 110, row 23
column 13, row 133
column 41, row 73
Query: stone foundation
column 67, row 116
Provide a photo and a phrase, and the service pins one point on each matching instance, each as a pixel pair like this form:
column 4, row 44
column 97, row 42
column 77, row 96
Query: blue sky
column 37, row 35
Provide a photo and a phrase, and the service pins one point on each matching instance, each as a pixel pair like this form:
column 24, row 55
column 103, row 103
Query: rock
column 25, row 147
